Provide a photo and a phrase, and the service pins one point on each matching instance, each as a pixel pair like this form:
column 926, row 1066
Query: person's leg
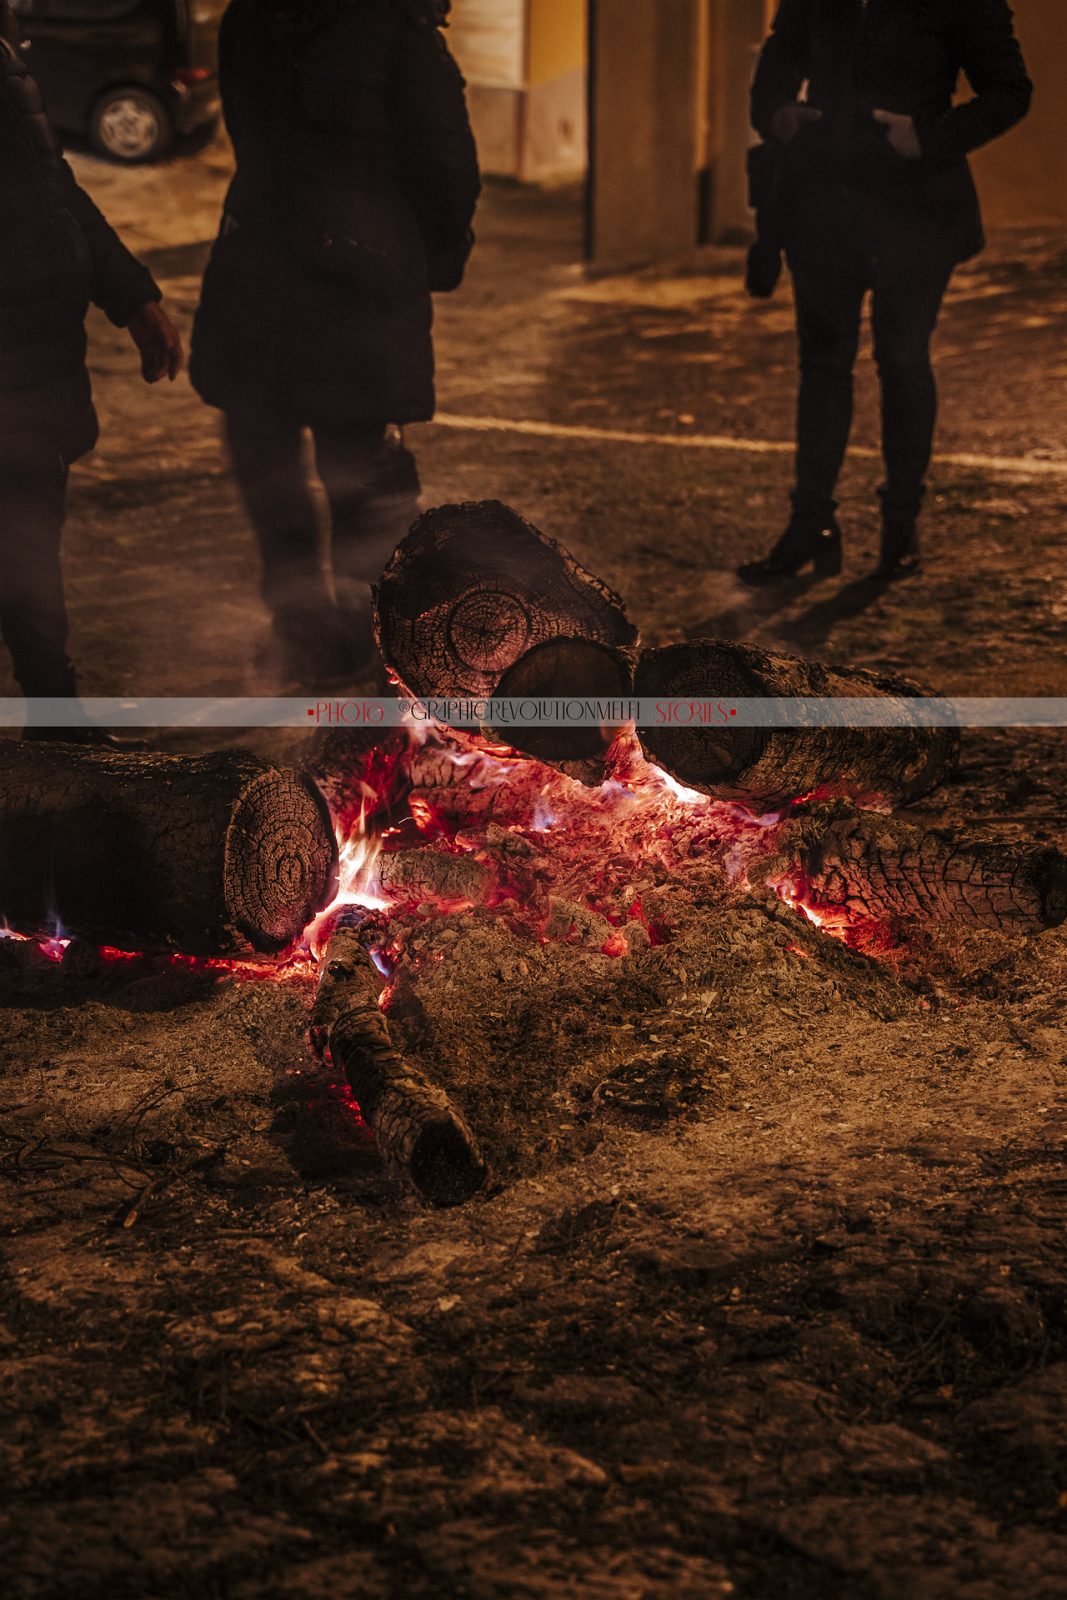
column 33, row 613
column 372, row 484
column 829, row 301
column 904, row 318
column 267, row 452
column 830, row 278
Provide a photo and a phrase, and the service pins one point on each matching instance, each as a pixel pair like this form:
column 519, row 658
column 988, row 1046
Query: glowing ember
column 557, row 859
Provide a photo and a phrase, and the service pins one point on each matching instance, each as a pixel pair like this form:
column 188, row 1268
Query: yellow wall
column 556, row 39
column 1021, row 177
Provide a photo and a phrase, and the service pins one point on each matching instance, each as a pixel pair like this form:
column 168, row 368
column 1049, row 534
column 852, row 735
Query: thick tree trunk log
column 564, row 669
column 474, row 587
column 419, row 1133
column 214, row 856
column 765, row 768
column 888, row 870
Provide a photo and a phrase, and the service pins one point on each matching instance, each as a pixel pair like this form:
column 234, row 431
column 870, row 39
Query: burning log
column 474, row 587
column 213, row 855
column 419, row 1133
column 434, row 875
column 768, row 767
column 887, row 870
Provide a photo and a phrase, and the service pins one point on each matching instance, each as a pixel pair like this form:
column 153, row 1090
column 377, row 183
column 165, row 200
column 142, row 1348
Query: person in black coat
column 355, row 189
column 57, row 256
column 874, row 192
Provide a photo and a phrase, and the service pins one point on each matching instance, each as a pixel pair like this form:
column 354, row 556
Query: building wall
column 1021, row 177
column 664, row 61
column 488, row 39
column 556, row 137
column 525, row 62
column 648, row 72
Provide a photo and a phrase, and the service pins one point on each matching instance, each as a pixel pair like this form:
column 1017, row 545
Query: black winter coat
column 57, row 254
column 893, row 55
column 355, row 189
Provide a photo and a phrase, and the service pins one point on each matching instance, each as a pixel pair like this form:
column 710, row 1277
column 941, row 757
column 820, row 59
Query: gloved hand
column 158, row 341
column 901, row 135
column 788, row 122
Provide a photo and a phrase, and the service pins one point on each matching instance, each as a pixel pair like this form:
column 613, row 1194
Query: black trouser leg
column 904, row 317
column 829, row 303
column 33, row 612
column 372, row 484
column 267, row 451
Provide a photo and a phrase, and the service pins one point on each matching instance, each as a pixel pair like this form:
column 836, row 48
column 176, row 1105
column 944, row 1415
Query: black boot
column 804, row 542
column 900, row 556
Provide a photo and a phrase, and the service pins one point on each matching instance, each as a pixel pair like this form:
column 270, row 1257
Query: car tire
column 131, row 125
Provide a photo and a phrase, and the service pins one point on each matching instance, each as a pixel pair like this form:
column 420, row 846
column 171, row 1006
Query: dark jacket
column 355, row 188
column 893, row 55
column 57, row 254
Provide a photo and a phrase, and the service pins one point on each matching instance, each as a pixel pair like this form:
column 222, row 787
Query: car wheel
column 131, row 125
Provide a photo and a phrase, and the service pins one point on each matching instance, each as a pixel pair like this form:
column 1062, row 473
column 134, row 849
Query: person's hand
column 159, row 342
column 788, row 122
column 901, row 135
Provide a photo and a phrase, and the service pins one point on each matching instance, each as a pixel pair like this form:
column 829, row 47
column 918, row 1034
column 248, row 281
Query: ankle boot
column 805, row 542
column 900, row 556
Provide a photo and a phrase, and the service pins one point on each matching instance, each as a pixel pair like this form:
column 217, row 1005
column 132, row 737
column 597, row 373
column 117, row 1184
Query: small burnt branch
column 419, row 1133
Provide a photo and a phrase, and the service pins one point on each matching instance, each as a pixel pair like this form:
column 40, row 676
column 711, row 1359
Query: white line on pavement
column 1010, row 466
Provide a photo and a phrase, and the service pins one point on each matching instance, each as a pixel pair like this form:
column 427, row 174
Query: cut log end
column 475, row 586
column 281, row 859
column 563, row 669
column 442, row 1162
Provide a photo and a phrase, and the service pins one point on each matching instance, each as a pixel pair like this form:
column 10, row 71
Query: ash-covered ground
column 768, row 1294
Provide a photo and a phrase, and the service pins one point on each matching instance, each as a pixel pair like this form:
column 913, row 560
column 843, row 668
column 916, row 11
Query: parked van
column 129, row 75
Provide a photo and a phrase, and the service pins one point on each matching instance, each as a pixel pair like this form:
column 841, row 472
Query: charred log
column 767, row 767
column 419, row 1133
column 215, row 855
column 887, row 870
column 434, row 875
column 563, row 669
column 474, row 587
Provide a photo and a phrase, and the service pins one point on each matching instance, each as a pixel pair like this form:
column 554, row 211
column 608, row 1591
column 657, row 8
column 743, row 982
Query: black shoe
column 802, row 544
column 900, row 556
